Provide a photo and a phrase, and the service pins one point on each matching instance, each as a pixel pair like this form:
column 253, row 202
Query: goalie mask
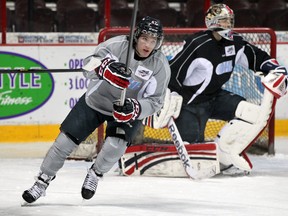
column 220, row 18
column 152, row 27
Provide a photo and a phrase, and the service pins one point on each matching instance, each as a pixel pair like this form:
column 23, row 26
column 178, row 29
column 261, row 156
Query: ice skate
column 234, row 171
column 38, row 189
column 90, row 184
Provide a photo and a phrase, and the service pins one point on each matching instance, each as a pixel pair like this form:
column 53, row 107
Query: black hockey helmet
column 152, row 27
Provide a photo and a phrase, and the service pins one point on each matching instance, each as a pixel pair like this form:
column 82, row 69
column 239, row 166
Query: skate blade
column 84, row 200
column 25, row 204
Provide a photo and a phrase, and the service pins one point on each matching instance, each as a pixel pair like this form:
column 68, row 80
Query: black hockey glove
column 114, row 73
column 128, row 112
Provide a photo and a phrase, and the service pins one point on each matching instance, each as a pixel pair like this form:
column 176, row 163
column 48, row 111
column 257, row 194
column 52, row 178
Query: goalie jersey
column 204, row 64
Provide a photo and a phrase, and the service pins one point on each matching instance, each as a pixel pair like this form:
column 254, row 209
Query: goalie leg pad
column 233, row 138
column 239, row 134
column 247, row 112
column 57, row 154
column 163, row 160
column 228, row 159
column 113, row 148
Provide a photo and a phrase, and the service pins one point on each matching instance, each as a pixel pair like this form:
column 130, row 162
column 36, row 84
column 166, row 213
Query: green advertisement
column 22, row 92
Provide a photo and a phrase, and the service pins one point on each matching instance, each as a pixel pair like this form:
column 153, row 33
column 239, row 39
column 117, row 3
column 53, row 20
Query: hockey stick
column 184, row 156
column 40, row 70
column 129, row 51
column 93, row 63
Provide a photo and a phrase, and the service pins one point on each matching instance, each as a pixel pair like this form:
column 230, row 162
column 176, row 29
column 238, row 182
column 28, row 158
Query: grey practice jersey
column 148, row 81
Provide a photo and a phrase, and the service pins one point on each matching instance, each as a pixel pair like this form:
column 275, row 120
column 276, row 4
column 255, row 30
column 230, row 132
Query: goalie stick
column 184, row 156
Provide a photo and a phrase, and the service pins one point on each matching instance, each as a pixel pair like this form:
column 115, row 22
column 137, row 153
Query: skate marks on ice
column 155, row 205
column 105, row 204
column 263, row 192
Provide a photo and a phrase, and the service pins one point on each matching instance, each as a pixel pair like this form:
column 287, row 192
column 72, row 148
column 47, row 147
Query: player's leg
column 224, row 109
column 192, row 121
column 81, row 121
column 239, row 133
column 225, row 105
column 118, row 138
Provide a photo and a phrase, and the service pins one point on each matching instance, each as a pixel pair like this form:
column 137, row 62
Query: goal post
column 245, row 84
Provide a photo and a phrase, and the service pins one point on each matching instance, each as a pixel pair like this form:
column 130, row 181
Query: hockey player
column 198, row 73
column 145, row 91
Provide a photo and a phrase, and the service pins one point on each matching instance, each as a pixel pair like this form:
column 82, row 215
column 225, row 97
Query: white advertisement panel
column 43, row 98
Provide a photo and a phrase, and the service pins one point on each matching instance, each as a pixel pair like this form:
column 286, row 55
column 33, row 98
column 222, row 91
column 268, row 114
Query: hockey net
column 242, row 82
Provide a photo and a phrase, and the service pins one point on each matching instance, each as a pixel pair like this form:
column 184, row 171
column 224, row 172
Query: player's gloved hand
column 114, row 72
column 128, row 112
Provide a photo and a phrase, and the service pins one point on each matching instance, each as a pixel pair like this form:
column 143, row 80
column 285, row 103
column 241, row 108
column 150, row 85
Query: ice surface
column 263, row 192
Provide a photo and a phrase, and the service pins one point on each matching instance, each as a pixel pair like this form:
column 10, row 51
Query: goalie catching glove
column 276, row 82
column 114, row 73
column 128, row 112
column 171, row 109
